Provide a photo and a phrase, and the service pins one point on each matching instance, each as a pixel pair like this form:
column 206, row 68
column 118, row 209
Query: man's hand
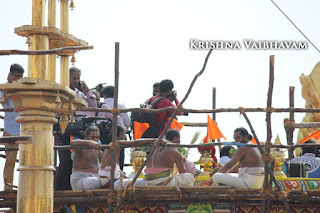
column 84, row 86
column 95, row 146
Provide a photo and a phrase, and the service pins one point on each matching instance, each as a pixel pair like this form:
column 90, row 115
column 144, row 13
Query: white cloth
column 183, row 179
column 125, row 116
column 85, row 180
column 310, row 159
column 109, row 115
column 223, row 160
column 248, row 178
column 105, row 173
column 10, row 124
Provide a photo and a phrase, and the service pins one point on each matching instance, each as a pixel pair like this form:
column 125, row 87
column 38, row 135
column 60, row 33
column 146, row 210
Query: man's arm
column 178, row 159
column 93, row 144
column 234, row 160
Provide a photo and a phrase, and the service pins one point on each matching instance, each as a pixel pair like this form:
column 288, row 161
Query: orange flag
column 253, row 140
column 176, row 125
column 139, row 129
column 213, row 132
column 315, row 135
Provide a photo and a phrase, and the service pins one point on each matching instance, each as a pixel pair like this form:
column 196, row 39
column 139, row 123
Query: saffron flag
column 176, row 125
column 139, row 129
column 213, row 132
column 253, row 140
column 315, row 135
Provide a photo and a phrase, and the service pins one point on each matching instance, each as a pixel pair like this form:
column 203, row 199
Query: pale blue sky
column 154, row 45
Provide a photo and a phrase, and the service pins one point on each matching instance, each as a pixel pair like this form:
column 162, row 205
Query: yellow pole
column 52, row 5
column 35, row 192
column 38, row 64
column 64, row 26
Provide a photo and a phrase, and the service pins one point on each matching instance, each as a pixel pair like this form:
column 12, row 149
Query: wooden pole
column 114, row 127
column 289, row 131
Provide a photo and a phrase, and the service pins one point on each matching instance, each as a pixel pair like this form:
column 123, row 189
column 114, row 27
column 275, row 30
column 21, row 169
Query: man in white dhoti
column 159, row 170
column 251, row 172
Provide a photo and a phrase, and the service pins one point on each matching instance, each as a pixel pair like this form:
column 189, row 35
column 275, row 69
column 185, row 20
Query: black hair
column 16, row 68
column 166, row 85
column 157, row 84
column 119, row 130
column 91, row 129
column 172, row 133
column 108, row 91
column 225, row 151
column 309, row 149
column 243, row 131
column 74, row 69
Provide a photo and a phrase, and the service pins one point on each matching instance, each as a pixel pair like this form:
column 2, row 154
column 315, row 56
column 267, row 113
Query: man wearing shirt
column 162, row 118
column 62, row 178
column 11, row 128
column 308, row 156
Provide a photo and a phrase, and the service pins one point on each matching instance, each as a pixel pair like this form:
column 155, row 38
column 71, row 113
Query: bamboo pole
column 269, row 130
column 289, row 131
column 114, row 127
column 45, row 52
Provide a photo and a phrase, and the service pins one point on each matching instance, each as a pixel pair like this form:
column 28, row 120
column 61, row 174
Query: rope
column 289, row 125
column 115, row 110
column 269, row 109
column 267, row 194
column 242, row 110
column 180, row 108
column 112, row 198
column 232, row 194
column 115, row 146
column 283, row 195
column 266, row 157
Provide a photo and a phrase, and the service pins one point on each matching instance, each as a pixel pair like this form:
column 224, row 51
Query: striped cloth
column 310, row 159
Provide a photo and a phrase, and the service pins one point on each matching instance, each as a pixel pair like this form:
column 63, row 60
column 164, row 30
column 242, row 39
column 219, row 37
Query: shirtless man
column 159, row 168
column 105, row 171
column 85, row 162
column 251, row 173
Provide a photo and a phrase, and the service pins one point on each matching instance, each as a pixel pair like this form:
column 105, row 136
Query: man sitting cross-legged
column 85, row 162
column 251, row 172
column 105, row 171
column 159, row 168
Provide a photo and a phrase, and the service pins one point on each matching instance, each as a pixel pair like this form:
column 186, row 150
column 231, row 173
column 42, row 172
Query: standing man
column 62, row 178
column 159, row 169
column 124, row 121
column 166, row 87
column 85, row 162
column 11, row 128
column 251, row 173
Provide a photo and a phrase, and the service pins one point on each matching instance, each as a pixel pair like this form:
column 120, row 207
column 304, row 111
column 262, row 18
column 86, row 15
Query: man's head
column 92, row 133
column 97, row 94
column 121, row 134
column 173, row 135
column 308, row 149
column 156, row 88
column 225, row 151
column 16, row 72
column 166, row 87
column 74, row 79
column 241, row 135
column 108, row 92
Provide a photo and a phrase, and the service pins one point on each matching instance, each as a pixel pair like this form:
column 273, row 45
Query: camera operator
column 166, row 90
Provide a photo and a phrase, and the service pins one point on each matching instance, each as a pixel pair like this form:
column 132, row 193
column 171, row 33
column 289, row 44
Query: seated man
column 105, row 171
column 159, row 168
column 251, row 173
column 85, row 162
column 308, row 156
